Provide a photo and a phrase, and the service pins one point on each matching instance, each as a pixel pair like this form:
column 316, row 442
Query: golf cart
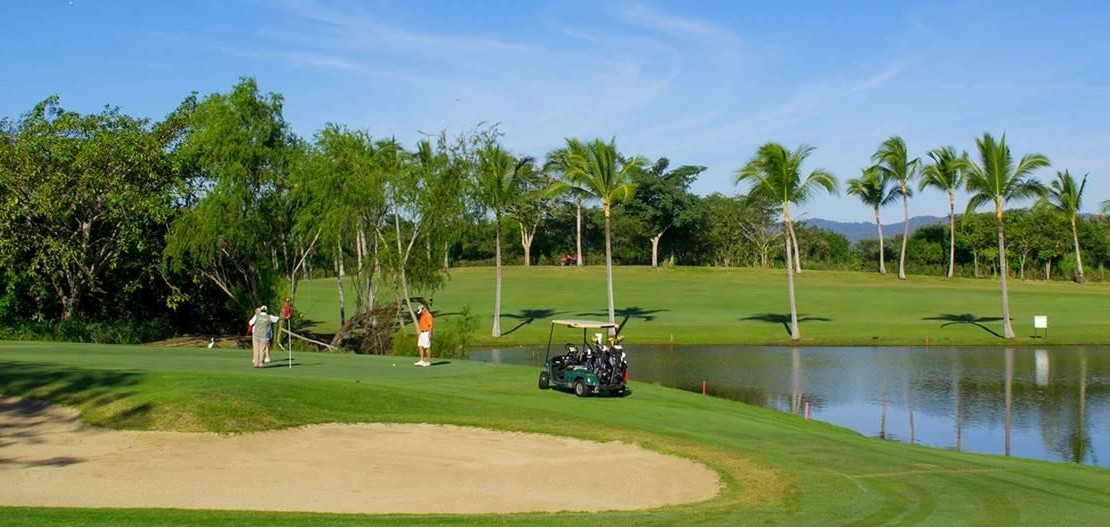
column 594, row 367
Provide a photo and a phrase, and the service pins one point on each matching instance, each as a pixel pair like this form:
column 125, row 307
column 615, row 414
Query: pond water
column 1042, row 403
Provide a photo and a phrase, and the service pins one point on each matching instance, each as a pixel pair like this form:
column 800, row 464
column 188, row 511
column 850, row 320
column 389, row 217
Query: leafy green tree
column 1066, row 196
column 499, row 185
column 338, row 191
column 533, row 207
column 597, row 167
column 871, row 189
column 237, row 147
column 995, row 178
column 892, row 159
column 946, row 173
column 83, row 200
column 663, row 200
column 775, row 173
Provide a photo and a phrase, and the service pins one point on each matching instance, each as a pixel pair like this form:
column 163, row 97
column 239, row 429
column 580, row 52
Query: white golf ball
column 395, row 364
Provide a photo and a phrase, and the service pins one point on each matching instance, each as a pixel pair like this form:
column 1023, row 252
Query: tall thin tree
column 557, row 165
column 775, row 173
column 871, row 189
column 893, row 159
column 600, row 169
column 946, row 173
column 498, row 185
column 1066, row 196
column 995, row 178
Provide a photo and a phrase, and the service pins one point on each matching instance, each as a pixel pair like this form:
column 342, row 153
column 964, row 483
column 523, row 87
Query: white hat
column 263, row 308
column 419, row 308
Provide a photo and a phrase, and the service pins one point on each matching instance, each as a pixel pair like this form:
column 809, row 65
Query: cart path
column 48, row 457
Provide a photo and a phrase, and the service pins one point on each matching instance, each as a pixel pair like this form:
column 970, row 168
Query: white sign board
column 1040, row 322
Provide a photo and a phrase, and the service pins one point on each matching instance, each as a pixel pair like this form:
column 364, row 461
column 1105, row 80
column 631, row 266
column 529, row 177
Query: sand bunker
column 48, row 457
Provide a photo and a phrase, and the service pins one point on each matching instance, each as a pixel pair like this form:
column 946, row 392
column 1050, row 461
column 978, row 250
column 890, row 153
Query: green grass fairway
column 750, row 306
column 778, row 469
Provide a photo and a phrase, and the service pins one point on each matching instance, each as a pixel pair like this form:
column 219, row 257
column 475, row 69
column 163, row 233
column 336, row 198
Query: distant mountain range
column 863, row 230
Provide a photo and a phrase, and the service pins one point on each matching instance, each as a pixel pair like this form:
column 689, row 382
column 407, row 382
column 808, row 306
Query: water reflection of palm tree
column 909, row 401
column 883, row 402
column 1080, row 443
column 959, row 409
column 1009, row 394
column 795, row 380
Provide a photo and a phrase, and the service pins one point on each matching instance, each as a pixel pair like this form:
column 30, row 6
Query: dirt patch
column 48, row 457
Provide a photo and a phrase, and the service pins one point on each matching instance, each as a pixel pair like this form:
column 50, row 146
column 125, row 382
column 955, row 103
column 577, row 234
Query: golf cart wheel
column 580, row 388
column 545, row 380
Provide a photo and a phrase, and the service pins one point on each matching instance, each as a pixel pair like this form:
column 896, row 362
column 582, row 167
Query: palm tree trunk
column 1078, row 259
column 905, row 234
column 882, row 257
column 497, row 287
column 1009, row 383
column 580, row 259
column 1007, row 328
column 795, row 332
column 951, row 234
column 797, row 254
column 609, row 267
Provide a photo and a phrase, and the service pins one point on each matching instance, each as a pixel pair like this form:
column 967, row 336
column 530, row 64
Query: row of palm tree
column 596, row 170
column 775, row 173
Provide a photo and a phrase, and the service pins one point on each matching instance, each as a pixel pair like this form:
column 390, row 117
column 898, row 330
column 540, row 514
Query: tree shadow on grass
column 966, row 318
column 784, row 319
column 626, row 314
column 527, row 316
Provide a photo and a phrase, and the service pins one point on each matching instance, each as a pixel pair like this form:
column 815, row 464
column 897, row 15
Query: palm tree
column 893, row 160
column 996, row 179
column 557, row 163
column 775, row 174
column 1067, row 197
column 597, row 167
column 499, row 178
column 946, row 173
column 870, row 187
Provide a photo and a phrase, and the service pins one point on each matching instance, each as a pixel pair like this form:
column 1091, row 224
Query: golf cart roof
column 585, row 324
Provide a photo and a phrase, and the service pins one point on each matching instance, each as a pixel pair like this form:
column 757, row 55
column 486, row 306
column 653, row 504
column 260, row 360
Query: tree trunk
column 951, row 234
column 655, row 248
column 975, row 262
column 905, row 233
column 882, row 257
column 1078, row 259
column 793, row 239
column 580, row 259
column 339, row 283
column 1007, row 328
column 608, row 265
column 497, row 272
column 795, row 332
column 526, row 238
column 1048, row 270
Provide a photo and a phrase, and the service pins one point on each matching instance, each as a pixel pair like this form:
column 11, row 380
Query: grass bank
column 750, row 306
column 777, row 468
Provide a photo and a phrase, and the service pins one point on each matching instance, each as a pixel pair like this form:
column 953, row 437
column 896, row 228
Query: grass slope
column 750, row 306
column 777, row 468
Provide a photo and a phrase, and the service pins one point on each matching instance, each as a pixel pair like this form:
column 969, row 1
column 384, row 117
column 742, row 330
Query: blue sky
column 700, row 82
